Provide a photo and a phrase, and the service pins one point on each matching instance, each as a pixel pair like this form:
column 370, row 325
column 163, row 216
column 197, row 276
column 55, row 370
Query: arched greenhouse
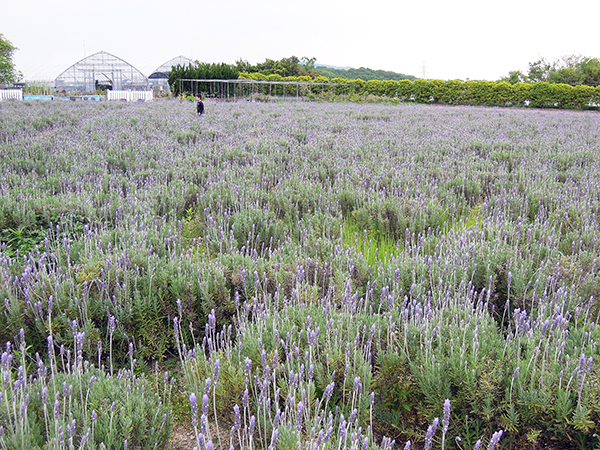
column 159, row 78
column 101, row 71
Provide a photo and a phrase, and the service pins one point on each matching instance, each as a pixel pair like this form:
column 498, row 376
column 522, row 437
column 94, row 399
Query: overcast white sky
column 444, row 39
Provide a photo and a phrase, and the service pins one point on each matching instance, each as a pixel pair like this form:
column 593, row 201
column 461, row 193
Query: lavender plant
column 464, row 238
column 63, row 401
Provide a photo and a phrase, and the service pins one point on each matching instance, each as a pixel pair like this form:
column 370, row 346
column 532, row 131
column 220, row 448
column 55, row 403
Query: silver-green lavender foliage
column 456, row 247
column 61, row 401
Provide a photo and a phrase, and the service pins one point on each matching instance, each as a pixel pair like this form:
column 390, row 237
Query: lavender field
column 320, row 275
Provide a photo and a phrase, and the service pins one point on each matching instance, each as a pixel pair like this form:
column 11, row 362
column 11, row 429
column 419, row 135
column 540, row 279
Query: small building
column 101, row 71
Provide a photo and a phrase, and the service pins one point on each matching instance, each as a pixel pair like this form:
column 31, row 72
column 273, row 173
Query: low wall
column 28, row 97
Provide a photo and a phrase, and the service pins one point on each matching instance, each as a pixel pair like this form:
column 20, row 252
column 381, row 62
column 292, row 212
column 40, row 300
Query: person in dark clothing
column 199, row 105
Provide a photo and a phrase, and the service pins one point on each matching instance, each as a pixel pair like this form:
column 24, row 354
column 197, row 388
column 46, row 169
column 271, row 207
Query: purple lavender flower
column 446, row 419
column 252, row 425
column 204, row 404
column 238, row 418
column 299, row 416
column 495, row 440
column 430, row 433
column 352, row 415
column 274, row 438
column 245, row 399
column 85, row 438
column 203, row 424
column 328, row 392
column 194, row 407
column 357, row 384
column 247, row 367
column 71, row 429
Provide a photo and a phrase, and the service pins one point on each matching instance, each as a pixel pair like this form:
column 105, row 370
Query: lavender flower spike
column 446, row 419
column 495, row 439
column 194, row 406
column 430, row 433
column 252, row 425
column 238, row 418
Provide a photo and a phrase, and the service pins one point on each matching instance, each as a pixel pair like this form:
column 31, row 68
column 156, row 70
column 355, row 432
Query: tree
column 8, row 73
column 243, row 66
column 200, row 71
column 566, row 75
column 574, row 70
column 363, row 73
column 590, row 71
column 309, row 63
column 514, row 77
column 285, row 67
column 540, row 70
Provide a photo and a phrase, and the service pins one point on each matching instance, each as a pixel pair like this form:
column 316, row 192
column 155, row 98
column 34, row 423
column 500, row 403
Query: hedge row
column 456, row 92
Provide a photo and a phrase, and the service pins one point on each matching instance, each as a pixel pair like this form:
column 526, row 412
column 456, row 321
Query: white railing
column 11, row 94
column 129, row 96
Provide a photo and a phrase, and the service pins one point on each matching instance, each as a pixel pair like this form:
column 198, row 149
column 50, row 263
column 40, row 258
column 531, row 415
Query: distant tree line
column 363, row 73
column 284, row 68
column 305, row 67
column 574, row 70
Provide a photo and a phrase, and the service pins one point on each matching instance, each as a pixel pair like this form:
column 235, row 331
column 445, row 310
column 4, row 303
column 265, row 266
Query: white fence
column 130, row 96
column 11, row 94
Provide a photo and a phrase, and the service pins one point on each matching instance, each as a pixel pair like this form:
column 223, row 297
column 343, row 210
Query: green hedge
column 209, row 71
column 456, row 92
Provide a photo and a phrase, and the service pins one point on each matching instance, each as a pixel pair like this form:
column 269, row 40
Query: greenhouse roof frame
column 101, row 70
column 166, row 67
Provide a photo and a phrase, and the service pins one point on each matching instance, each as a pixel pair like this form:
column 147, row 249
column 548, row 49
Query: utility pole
column 424, row 71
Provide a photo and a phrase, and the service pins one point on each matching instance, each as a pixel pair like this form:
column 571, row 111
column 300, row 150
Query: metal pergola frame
column 242, row 87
